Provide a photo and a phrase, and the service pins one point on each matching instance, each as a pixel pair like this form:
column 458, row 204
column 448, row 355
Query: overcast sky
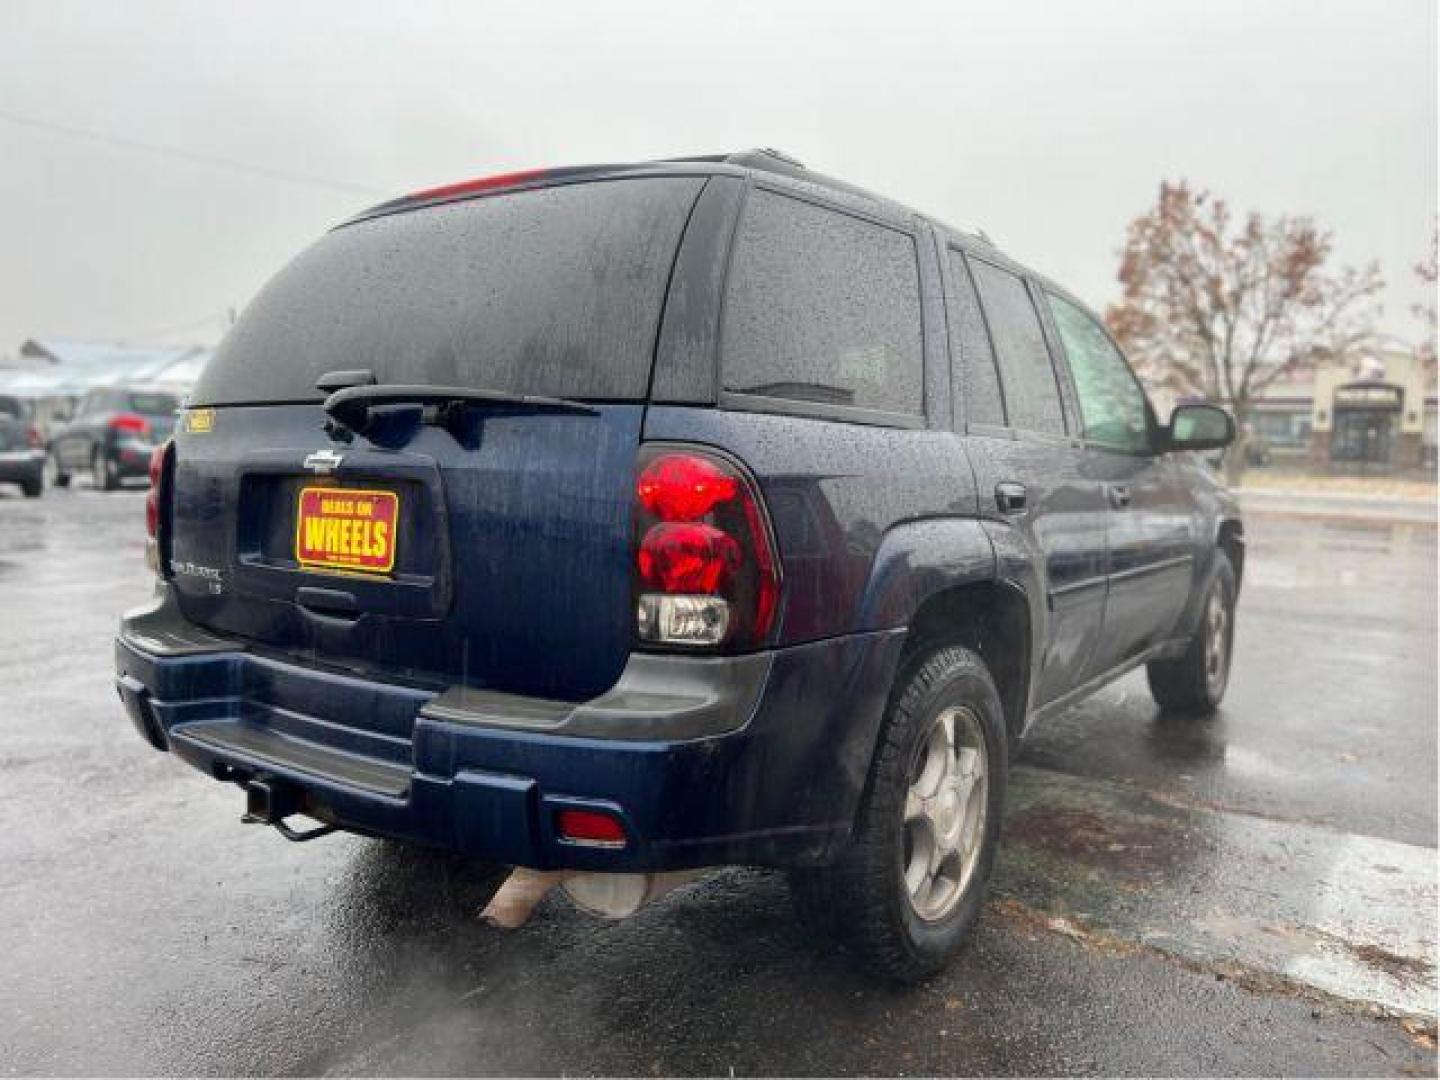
column 1048, row 124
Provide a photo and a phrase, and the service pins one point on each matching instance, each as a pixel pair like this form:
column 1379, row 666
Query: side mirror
column 1199, row 427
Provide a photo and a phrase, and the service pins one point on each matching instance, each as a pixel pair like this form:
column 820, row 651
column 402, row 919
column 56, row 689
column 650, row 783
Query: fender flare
column 916, row 560
column 1225, row 523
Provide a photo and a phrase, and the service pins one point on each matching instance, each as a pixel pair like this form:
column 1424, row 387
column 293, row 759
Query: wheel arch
column 990, row 618
column 1230, row 538
column 939, row 578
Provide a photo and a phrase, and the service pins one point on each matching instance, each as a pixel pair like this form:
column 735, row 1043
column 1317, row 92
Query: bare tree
column 1221, row 307
column 1426, row 272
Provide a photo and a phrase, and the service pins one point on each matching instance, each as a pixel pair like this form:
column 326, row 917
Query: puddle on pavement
column 1351, row 916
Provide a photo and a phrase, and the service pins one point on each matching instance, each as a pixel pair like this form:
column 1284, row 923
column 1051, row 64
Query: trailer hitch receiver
column 270, row 802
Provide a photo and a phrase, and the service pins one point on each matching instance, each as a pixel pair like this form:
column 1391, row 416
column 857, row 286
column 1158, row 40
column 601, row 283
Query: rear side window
column 977, row 381
column 1032, row 396
column 822, row 307
column 554, row 291
column 148, row 404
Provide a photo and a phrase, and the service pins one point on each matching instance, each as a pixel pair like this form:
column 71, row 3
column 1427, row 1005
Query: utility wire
column 211, row 160
column 222, row 316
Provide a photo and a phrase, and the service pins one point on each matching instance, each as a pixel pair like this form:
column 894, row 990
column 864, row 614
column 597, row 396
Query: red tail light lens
column 688, row 558
column 32, row 436
column 130, row 424
column 684, row 487
column 705, row 568
column 157, row 501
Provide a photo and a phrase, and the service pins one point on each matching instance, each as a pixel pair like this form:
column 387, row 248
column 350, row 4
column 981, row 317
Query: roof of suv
column 764, row 160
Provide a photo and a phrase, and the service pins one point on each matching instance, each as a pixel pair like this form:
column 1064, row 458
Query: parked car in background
column 1257, row 449
column 634, row 519
column 22, row 452
column 111, row 436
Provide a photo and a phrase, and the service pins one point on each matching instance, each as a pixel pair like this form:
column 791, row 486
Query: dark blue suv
column 607, row 521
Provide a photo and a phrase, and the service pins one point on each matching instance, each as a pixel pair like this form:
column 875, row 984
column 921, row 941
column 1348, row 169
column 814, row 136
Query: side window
column 822, row 307
column 1112, row 405
column 1032, row 396
column 977, row 383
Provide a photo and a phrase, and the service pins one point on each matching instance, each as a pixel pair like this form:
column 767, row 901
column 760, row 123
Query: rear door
column 1030, row 472
column 1149, row 522
column 487, row 544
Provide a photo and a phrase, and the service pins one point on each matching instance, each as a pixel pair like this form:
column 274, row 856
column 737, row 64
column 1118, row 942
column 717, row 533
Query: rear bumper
column 132, row 458
column 17, row 466
column 758, row 759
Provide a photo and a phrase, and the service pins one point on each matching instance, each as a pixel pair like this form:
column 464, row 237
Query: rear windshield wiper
column 351, row 406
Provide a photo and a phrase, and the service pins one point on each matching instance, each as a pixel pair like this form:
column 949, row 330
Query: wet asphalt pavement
column 1254, row 894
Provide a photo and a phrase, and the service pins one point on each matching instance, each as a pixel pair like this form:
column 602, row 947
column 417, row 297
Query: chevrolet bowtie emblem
column 324, row 461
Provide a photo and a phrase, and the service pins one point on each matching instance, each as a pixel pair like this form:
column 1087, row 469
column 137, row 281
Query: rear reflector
column 594, row 827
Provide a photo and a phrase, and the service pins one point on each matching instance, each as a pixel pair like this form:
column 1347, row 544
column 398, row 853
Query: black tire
column 103, row 471
column 33, row 486
column 58, row 477
column 1194, row 685
column 862, row 901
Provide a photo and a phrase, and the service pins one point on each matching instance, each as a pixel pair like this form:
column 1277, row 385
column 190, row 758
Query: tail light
column 157, row 506
column 706, row 574
column 130, row 424
column 32, row 436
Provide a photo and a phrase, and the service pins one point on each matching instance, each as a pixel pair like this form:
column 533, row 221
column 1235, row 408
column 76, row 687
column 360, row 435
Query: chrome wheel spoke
column 973, row 815
column 914, row 806
column 917, row 871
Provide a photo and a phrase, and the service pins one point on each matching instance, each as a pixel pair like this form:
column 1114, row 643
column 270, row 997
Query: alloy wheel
column 1217, row 641
column 945, row 811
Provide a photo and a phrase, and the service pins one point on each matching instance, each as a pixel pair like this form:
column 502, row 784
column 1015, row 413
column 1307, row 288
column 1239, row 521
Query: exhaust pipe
column 618, row 896
column 611, row 896
column 510, row 907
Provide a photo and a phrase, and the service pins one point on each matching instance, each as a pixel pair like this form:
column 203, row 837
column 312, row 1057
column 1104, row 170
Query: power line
column 211, row 160
column 194, row 324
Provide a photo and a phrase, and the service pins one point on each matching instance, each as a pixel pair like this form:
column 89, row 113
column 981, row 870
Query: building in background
column 1377, row 414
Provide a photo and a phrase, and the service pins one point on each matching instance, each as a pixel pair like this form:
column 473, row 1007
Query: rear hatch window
column 556, row 291
column 148, row 404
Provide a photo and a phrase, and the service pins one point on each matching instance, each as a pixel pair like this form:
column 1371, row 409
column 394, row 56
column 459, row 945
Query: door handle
column 1010, row 497
column 1120, row 496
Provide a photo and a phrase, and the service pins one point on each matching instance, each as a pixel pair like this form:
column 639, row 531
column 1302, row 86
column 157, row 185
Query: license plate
column 346, row 529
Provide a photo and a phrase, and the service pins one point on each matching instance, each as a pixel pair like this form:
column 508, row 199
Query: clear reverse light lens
column 682, row 620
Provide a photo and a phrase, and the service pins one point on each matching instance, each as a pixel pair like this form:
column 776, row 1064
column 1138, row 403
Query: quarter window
column 1032, row 396
column 822, row 307
column 977, row 381
column 1112, row 405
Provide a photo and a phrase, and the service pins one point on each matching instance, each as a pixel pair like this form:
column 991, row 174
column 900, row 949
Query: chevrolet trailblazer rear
column 413, row 558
